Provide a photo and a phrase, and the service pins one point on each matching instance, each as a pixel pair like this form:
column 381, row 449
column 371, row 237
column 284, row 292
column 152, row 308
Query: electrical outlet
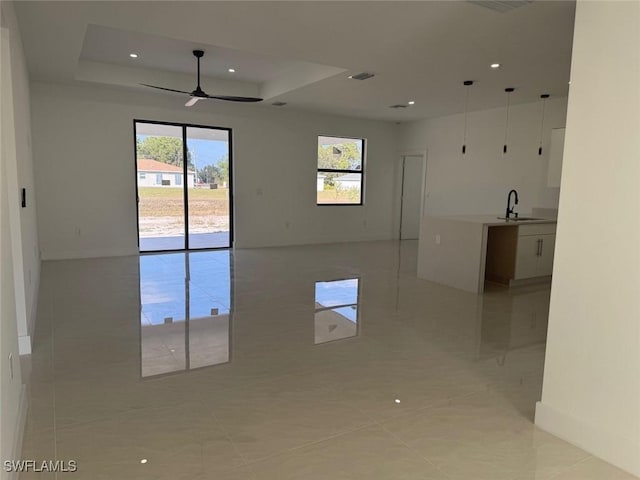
column 438, row 239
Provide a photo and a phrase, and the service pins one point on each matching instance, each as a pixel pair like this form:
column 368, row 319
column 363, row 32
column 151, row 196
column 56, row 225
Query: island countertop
column 495, row 220
column 452, row 249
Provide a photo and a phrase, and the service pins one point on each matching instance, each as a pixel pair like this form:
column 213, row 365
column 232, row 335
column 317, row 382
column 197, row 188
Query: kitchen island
column 462, row 251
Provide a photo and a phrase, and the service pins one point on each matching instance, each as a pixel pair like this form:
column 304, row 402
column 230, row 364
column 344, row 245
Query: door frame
column 185, row 167
column 423, row 191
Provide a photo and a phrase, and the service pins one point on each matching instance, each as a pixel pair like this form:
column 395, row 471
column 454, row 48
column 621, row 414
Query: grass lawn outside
column 161, row 211
column 337, row 196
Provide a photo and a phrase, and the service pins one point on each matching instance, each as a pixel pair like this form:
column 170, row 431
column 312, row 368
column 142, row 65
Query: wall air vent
column 279, row 104
column 361, row 76
column 501, row 6
column 400, row 105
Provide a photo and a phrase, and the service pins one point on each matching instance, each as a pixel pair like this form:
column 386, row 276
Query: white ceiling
column 302, row 52
column 109, row 45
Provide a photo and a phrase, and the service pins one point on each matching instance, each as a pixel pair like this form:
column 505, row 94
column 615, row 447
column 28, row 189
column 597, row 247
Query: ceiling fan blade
column 234, row 99
column 192, row 102
column 167, row 89
column 198, row 93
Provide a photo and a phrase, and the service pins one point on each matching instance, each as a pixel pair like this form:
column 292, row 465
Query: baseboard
column 529, row 281
column 18, row 434
column 314, row 241
column 619, row 451
column 96, row 253
column 24, row 345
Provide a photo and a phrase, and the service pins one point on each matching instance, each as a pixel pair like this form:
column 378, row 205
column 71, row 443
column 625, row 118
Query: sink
column 520, row 219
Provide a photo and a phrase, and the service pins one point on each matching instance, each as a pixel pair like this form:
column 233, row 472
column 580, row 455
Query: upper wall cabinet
column 555, row 157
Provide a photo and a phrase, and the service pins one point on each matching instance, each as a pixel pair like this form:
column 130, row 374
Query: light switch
column 438, row 239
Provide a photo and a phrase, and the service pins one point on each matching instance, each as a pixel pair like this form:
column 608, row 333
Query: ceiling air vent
column 279, row 104
column 501, row 6
column 398, row 106
column 361, row 76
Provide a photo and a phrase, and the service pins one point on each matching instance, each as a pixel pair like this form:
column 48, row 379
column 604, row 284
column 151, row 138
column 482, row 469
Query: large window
column 340, row 170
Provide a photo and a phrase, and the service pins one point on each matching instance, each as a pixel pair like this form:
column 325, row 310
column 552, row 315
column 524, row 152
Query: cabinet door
column 527, row 257
column 545, row 260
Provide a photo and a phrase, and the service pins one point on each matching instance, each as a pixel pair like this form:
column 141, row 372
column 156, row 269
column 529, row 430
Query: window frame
column 346, row 172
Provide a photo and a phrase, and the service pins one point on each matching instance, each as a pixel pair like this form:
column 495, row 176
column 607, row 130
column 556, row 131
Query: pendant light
column 508, row 91
column 544, row 97
column 466, row 83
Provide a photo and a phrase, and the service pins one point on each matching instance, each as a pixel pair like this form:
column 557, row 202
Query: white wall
column 86, row 133
column 591, row 392
column 12, row 398
column 10, row 389
column 19, row 170
column 478, row 182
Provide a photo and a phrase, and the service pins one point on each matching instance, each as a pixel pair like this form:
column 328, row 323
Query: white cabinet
column 555, row 157
column 534, row 253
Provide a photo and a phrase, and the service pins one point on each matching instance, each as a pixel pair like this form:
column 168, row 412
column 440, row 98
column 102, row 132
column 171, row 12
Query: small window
column 340, row 171
column 158, row 179
column 178, row 179
column 143, row 175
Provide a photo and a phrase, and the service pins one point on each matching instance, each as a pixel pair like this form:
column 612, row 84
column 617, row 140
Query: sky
column 207, row 152
column 204, row 152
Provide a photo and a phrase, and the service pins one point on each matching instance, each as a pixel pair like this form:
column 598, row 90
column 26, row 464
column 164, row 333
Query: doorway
column 183, row 185
column 413, row 172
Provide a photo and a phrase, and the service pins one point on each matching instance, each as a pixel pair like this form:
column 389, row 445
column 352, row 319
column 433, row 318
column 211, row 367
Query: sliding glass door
column 209, row 205
column 183, row 175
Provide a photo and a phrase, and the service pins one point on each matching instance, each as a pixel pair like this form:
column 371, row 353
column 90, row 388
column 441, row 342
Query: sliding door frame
column 185, row 168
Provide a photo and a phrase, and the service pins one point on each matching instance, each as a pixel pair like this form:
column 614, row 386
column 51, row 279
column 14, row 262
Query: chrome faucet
column 509, row 207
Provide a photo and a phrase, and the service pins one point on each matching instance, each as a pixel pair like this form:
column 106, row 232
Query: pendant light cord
column 466, row 106
column 506, row 123
column 467, row 84
column 544, row 106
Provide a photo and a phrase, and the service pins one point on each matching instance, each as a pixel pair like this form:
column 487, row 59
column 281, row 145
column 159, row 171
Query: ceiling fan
column 199, row 94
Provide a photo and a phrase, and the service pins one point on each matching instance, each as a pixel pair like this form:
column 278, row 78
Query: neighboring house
column 152, row 173
column 350, row 180
column 320, row 183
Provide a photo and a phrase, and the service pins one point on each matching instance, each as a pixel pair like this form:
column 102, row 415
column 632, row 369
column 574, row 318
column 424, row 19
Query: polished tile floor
column 314, row 362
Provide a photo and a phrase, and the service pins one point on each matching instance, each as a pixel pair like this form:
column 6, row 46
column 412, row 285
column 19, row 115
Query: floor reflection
column 336, row 310
column 185, row 311
column 512, row 319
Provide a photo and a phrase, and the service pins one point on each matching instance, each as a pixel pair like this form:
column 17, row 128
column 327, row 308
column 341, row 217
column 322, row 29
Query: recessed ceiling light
column 232, row 70
column 143, row 460
column 133, row 55
column 495, row 65
column 412, row 102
